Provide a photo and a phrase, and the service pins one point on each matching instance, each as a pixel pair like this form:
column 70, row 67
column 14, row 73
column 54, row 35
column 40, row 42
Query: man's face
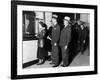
column 53, row 20
column 82, row 26
column 78, row 22
column 65, row 22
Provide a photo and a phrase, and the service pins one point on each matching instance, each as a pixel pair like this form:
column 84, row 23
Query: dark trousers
column 65, row 55
column 81, row 47
column 55, row 55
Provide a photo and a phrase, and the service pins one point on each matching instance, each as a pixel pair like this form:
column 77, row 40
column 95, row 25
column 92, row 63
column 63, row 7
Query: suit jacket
column 82, row 34
column 55, row 34
column 65, row 36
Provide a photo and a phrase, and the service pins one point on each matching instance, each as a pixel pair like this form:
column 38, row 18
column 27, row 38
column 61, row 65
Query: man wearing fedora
column 83, row 33
column 65, row 38
column 55, row 40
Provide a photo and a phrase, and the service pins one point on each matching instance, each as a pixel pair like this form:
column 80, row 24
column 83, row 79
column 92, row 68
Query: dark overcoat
column 55, row 40
column 65, row 39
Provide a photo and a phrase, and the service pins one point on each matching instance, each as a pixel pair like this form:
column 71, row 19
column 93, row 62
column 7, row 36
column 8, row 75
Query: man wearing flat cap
column 65, row 38
column 55, row 40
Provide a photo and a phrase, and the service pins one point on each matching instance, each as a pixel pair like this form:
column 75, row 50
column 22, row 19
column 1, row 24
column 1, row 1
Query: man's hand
column 49, row 38
column 41, row 46
column 84, row 41
column 55, row 44
column 66, row 47
column 27, row 33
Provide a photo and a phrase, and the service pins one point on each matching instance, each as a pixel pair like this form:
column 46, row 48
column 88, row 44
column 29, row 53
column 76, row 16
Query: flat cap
column 54, row 16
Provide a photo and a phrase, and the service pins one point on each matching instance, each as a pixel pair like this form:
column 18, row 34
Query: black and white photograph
column 53, row 40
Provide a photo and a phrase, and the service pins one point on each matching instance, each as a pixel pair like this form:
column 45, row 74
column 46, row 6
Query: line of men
column 61, row 39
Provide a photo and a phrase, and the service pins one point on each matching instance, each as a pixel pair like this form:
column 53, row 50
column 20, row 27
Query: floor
column 79, row 60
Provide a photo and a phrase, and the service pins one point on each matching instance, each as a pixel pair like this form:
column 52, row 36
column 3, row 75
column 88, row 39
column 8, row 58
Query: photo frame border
column 14, row 38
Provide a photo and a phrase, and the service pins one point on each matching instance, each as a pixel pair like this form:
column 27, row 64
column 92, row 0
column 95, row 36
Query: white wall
column 39, row 14
column 29, row 50
column 84, row 17
column 48, row 16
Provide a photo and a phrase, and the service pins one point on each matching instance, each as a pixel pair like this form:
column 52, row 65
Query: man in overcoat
column 65, row 38
column 55, row 41
column 82, row 36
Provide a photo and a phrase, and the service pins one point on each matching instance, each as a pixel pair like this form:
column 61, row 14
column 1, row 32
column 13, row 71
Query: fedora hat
column 67, row 18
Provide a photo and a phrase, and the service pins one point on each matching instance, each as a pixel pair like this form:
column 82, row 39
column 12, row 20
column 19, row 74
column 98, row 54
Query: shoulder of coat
column 69, row 27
